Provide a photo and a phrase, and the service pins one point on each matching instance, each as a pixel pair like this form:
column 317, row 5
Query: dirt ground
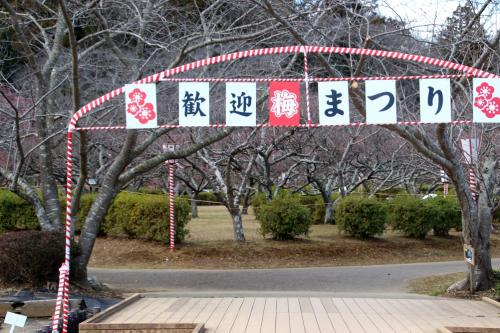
column 210, row 245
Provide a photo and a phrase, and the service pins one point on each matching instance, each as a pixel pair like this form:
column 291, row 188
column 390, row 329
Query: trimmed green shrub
column 258, row 200
column 146, row 216
column 415, row 217
column 445, row 214
column 319, row 211
column 207, row 199
column 309, row 201
column 86, row 201
column 360, row 216
column 131, row 214
column 410, row 216
column 16, row 213
column 32, row 257
column 284, row 218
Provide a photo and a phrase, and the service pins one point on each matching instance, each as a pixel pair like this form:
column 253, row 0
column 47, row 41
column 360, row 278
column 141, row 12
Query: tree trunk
column 246, row 203
column 194, row 203
column 476, row 222
column 329, row 212
column 239, row 236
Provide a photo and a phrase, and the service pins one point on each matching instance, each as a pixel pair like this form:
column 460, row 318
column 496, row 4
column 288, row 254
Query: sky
column 424, row 13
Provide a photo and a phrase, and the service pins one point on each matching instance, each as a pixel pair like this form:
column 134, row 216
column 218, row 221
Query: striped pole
column 60, row 296
column 445, row 189
column 472, row 182
column 171, row 168
column 306, row 80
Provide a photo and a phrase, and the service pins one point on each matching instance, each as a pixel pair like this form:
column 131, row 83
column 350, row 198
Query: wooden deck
column 309, row 314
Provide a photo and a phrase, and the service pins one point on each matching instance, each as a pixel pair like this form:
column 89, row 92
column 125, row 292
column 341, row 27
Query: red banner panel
column 284, row 101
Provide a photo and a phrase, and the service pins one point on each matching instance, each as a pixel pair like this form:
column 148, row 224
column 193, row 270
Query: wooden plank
column 229, row 316
column 308, row 316
column 255, row 321
column 159, row 313
column 269, row 316
column 190, row 316
column 349, row 319
column 205, row 314
column 373, row 316
column 324, row 323
column 216, row 316
column 113, row 309
column 142, row 328
column 387, row 316
column 336, row 318
column 282, row 316
column 420, row 314
column 405, row 313
column 162, row 312
column 362, row 318
column 328, row 305
column 241, row 321
column 178, row 314
column 296, row 320
column 402, row 317
column 137, row 310
column 473, row 314
column 438, row 313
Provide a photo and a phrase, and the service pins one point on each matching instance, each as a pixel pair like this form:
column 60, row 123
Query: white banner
column 486, row 101
column 140, row 106
column 381, row 102
column 435, row 101
column 240, row 104
column 194, row 104
column 333, row 98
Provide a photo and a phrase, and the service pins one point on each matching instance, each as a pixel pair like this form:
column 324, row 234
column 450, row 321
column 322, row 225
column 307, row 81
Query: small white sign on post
column 469, row 255
column 15, row 320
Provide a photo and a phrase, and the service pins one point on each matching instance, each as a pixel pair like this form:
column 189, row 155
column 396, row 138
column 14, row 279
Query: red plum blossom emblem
column 142, row 111
column 485, row 101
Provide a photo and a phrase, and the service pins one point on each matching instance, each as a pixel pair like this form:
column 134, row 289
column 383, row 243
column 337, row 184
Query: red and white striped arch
column 167, row 75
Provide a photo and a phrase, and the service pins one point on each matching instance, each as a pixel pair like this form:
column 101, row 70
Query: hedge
column 284, row 218
column 31, row 256
column 360, row 216
column 16, row 213
column 131, row 214
column 145, row 216
column 415, row 217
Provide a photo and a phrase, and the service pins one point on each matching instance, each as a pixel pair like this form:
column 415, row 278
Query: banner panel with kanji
column 284, row 100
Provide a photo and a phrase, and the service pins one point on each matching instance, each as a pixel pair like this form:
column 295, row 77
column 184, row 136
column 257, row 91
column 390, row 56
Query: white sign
column 486, row 101
column 435, row 101
column 140, row 106
column 240, row 104
column 470, row 147
column 469, row 255
column 333, row 104
column 14, row 319
column 381, row 102
column 444, row 177
column 194, row 104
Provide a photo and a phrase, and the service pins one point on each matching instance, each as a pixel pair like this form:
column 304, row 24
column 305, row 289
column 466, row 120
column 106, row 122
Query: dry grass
column 435, row 285
column 211, row 245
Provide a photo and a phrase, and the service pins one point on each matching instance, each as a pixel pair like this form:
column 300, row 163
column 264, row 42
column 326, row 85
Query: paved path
column 381, row 279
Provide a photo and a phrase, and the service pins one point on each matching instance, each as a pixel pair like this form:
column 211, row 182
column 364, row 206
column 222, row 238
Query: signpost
column 445, row 181
column 470, row 258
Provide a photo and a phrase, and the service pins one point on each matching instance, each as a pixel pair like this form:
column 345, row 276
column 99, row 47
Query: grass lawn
column 210, row 245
